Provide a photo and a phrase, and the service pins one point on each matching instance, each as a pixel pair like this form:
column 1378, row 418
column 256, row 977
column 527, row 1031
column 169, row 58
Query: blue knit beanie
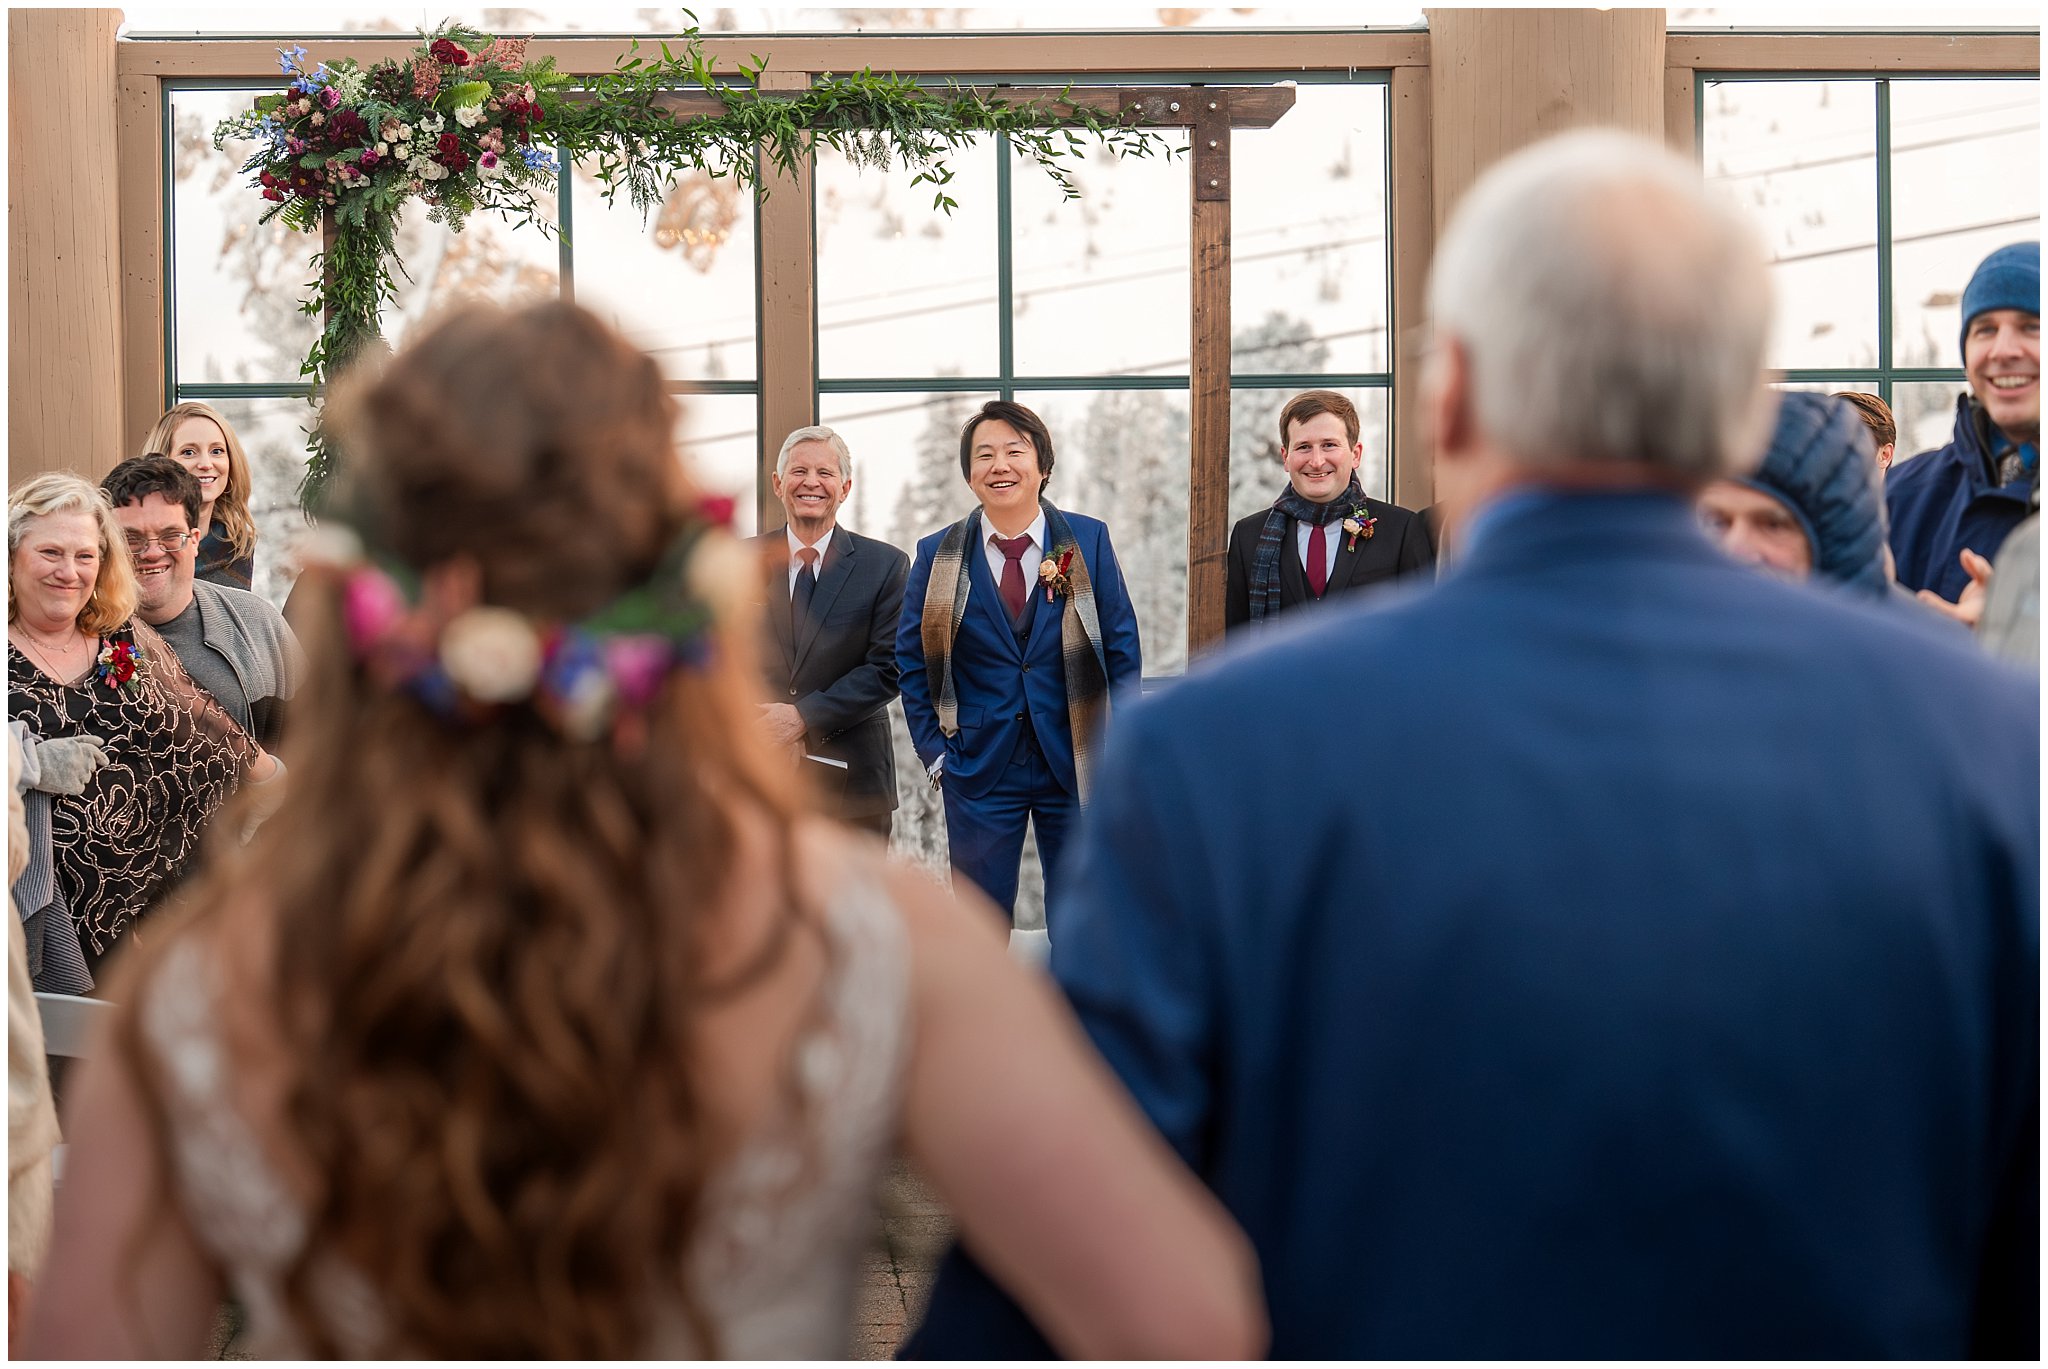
column 1820, row 465
column 2009, row 278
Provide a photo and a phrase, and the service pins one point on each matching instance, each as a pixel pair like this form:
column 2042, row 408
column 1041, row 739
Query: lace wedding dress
column 777, row 1261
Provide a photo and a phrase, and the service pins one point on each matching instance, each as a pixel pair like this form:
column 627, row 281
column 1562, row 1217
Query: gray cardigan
column 253, row 637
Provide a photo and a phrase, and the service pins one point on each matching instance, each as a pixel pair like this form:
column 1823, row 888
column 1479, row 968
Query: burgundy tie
column 1318, row 561
column 1012, row 586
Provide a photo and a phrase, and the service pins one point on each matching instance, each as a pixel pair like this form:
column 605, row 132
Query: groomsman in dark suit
column 832, row 601
column 1323, row 536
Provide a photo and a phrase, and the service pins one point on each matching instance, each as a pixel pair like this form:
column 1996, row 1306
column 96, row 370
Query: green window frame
column 1885, row 375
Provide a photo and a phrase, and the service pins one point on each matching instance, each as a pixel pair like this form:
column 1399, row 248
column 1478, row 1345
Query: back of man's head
column 1612, row 309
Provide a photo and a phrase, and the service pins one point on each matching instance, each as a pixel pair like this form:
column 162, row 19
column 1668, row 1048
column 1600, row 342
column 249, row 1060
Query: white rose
column 383, row 149
column 492, row 653
column 469, row 116
column 403, row 152
column 405, row 130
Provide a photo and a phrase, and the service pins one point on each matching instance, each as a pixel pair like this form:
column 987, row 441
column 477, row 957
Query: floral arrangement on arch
column 467, row 123
column 454, row 126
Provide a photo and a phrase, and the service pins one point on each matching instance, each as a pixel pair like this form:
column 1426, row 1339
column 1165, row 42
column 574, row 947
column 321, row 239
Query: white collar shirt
column 797, row 544
column 1033, row 554
column 1333, row 534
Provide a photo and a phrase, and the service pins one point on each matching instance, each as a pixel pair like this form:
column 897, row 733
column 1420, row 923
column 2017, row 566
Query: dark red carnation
column 369, row 159
column 445, row 51
column 449, row 143
column 266, row 180
column 274, row 193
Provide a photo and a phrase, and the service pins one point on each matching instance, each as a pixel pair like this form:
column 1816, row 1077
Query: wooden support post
column 788, row 345
column 1209, row 367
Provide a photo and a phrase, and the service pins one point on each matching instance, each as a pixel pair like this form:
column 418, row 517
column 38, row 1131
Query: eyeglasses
column 171, row 542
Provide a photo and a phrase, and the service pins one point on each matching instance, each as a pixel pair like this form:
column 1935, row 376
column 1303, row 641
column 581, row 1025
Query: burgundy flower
column 330, row 97
column 266, row 180
column 369, row 160
column 348, row 128
column 274, row 194
column 448, row 52
column 449, row 144
column 455, row 161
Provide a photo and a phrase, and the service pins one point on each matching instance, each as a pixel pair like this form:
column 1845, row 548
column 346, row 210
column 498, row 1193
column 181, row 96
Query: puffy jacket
column 1949, row 499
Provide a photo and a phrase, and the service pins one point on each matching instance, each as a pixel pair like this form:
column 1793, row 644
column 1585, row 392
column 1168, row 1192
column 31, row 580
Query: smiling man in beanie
column 1969, row 495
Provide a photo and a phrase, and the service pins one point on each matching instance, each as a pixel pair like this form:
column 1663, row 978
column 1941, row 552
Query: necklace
column 26, row 639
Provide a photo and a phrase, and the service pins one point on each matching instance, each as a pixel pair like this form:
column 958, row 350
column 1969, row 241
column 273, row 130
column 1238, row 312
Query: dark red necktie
column 1318, row 561
column 1012, row 585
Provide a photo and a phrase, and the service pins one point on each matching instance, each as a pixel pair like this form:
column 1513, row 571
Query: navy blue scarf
column 1291, row 507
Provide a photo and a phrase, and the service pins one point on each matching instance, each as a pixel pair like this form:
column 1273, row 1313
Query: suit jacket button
column 792, row 691
column 1027, row 670
column 1020, row 717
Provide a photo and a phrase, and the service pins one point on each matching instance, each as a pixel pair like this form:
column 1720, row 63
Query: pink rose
column 371, row 604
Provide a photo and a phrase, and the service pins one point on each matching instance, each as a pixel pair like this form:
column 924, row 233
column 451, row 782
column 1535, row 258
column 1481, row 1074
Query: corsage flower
column 1053, row 575
column 1358, row 524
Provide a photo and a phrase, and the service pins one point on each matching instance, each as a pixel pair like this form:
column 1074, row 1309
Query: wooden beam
column 1208, row 373
column 1148, row 106
column 1413, row 222
column 65, row 341
column 787, row 355
column 139, row 164
column 1888, row 53
column 1680, row 131
column 906, row 53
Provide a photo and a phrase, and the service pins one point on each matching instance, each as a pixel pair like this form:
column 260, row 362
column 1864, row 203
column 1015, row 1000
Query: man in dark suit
column 1658, row 975
column 1016, row 629
column 1323, row 536
column 832, row 601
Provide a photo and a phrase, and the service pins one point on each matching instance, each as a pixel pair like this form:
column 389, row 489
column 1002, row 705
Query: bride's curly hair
column 490, row 954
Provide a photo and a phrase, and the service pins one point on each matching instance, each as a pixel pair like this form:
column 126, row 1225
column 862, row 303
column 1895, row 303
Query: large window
column 1081, row 312
column 1878, row 196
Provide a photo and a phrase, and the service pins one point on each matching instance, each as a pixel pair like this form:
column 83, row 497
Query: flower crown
column 589, row 678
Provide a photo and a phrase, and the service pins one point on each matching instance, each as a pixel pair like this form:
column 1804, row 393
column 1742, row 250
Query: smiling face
column 1756, row 529
column 812, row 484
column 201, row 448
column 54, row 569
column 1003, row 473
column 1320, row 457
column 2002, row 358
column 163, row 578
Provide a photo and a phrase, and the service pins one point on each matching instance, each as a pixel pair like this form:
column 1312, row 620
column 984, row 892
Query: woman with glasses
column 133, row 757
column 199, row 439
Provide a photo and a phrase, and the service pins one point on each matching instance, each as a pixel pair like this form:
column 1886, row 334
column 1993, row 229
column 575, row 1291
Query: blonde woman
column 146, row 755
column 199, row 439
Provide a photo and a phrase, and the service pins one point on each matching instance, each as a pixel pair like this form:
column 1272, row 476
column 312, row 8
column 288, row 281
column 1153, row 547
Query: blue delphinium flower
column 288, row 59
column 538, row 159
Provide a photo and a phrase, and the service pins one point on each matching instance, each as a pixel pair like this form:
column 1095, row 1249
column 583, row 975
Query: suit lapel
column 1293, row 579
column 982, row 590
column 832, row 577
column 1347, row 560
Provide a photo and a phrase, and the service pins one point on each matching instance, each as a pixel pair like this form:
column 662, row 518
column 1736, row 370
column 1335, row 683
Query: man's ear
column 1447, row 402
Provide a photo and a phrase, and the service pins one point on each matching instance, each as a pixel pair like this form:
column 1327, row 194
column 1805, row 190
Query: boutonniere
column 1359, row 524
column 1053, row 574
column 117, row 667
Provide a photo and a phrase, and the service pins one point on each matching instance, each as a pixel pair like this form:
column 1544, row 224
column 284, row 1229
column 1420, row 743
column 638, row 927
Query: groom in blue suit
column 1657, row 975
column 1016, row 630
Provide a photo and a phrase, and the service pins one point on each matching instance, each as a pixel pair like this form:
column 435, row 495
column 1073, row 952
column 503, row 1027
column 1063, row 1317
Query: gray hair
column 815, row 434
column 1613, row 308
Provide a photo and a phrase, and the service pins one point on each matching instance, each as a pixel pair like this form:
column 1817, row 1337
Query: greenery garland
column 467, row 124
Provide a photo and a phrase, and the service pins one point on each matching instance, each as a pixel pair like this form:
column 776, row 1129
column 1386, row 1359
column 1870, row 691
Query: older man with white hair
column 1656, row 975
column 832, row 601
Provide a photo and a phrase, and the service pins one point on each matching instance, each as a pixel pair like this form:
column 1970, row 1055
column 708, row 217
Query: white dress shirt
column 1033, row 554
column 1333, row 533
column 796, row 562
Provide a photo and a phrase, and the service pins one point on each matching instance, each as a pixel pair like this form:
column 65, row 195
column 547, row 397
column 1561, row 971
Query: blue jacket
column 1653, row 973
column 1949, row 499
column 996, row 679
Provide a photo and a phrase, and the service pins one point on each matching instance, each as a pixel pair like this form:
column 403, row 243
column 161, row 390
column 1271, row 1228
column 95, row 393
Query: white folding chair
column 70, row 1025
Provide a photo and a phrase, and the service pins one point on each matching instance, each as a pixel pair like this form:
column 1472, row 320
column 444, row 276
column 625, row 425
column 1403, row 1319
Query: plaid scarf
column 1087, row 673
column 1291, row 507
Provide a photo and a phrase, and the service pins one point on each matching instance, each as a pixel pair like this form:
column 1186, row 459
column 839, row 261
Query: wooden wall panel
column 1501, row 78
column 1414, row 229
column 789, row 333
column 65, row 363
